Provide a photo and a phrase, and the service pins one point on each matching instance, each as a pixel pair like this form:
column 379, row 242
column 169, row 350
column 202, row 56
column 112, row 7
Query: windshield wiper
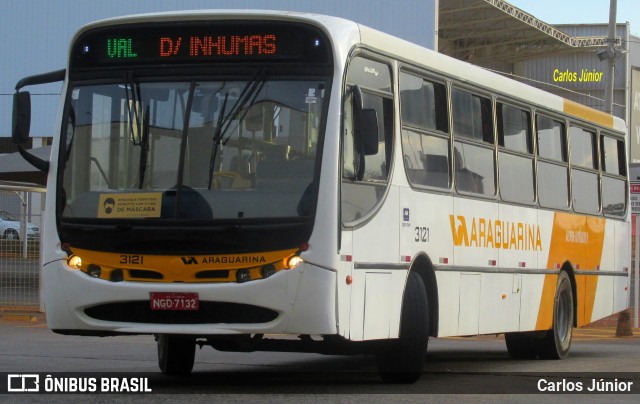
column 133, row 99
column 183, row 144
column 139, row 134
column 144, row 146
column 247, row 97
column 216, row 140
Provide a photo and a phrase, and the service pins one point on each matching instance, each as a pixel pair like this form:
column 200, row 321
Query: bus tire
column 520, row 345
column 402, row 360
column 176, row 354
column 557, row 341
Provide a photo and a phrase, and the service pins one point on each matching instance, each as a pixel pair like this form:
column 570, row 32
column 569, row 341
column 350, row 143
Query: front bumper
column 297, row 301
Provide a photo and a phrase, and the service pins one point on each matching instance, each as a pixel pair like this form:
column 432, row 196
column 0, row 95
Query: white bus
column 221, row 177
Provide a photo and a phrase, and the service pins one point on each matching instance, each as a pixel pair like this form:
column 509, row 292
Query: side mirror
column 21, row 123
column 21, row 119
column 370, row 131
column 365, row 125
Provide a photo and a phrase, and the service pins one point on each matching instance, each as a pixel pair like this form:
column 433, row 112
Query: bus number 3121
column 422, row 234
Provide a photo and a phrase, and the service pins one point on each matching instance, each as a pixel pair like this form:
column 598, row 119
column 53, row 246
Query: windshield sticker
column 311, row 96
column 133, row 205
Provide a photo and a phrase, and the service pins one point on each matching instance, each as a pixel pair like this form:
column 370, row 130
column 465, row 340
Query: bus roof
column 350, row 33
column 318, row 20
column 483, row 78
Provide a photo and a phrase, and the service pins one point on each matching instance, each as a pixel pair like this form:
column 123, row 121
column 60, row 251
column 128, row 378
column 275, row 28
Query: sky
column 581, row 12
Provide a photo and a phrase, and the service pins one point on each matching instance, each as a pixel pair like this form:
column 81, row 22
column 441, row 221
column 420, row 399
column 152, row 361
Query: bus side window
column 614, row 174
column 516, row 154
column 425, row 126
column 584, row 165
column 474, row 145
column 553, row 179
column 471, row 116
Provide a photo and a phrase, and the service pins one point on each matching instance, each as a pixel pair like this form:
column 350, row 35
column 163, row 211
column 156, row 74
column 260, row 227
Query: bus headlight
column 294, row 261
column 74, row 262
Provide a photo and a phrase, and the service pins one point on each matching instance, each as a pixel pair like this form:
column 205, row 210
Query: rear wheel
column 402, row 360
column 176, row 354
column 552, row 344
column 557, row 341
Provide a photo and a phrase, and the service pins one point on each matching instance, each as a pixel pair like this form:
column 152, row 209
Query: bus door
column 369, row 205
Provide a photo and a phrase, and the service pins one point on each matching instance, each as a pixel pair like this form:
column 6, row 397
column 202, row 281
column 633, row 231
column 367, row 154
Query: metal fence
column 20, row 222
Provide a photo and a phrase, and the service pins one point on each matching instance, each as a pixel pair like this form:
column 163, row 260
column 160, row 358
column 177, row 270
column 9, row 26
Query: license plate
column 174, row 301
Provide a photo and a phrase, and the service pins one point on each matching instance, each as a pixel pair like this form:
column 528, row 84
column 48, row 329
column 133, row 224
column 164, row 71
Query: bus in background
column 219, row 177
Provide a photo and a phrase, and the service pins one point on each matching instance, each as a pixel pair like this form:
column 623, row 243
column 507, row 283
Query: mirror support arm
column 44, row 78
column 37, row 162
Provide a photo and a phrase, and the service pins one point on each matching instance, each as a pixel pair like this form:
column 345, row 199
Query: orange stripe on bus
column 590, row 114
column 578, row 240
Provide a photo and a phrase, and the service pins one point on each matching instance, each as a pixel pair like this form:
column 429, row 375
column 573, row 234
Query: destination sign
column 199, row 42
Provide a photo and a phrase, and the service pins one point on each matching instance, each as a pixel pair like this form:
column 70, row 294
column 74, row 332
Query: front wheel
column 402, row 360
column 176, row 354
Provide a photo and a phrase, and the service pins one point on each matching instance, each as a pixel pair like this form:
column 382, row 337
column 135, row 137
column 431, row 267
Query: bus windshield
column 191, row 149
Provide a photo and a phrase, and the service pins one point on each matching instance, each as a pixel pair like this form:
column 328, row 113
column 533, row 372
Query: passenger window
column 472, row 116
column 553, row 185
column 514, row 128
column 423, row 103
column 551, row 143
column 475, row 168
column 425, row 141
column 614, row 182
column 614, row 196
column 474, row 156
column 426, row 159
column 613, row 156
column 582, row 147
column 553, row 170
column 515, row 156
column 585, row 189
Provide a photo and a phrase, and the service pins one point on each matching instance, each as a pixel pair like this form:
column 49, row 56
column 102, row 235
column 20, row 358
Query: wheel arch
column 422, row 265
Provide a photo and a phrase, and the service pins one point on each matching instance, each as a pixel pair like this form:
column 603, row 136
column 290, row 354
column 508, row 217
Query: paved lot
column 463, row 369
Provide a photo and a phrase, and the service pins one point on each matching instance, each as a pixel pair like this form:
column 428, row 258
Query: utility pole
column 611, row 57
column 624, row 318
